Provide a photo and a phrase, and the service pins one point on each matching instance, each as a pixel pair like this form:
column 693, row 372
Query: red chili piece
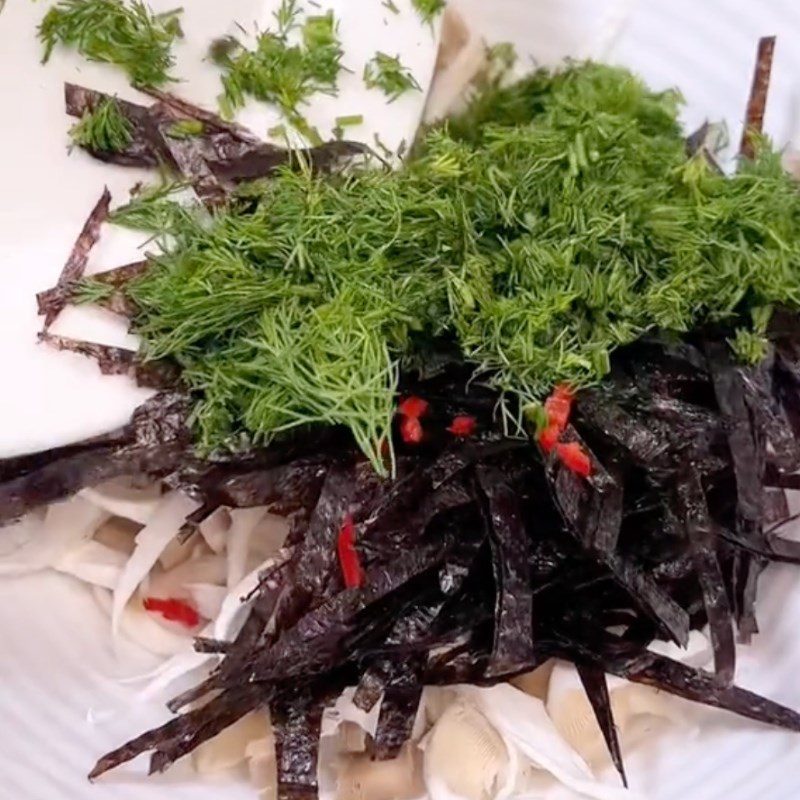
column 558, row 407
column 548, row 438
column 411, row 430
column 575, row 458
column 463, row 425
column 414, row 407
column 173, row 610
column 348, row 555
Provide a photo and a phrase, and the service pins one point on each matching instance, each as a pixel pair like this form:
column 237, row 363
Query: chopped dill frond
column 89, row 291
column 103, row 128
column 749, row 346
column 280, row 72
column 350, row 121
column 124, row 33
column 389, row 75
column 429, row 9
column 555, row 221
column 186, row 129
column 151, row 209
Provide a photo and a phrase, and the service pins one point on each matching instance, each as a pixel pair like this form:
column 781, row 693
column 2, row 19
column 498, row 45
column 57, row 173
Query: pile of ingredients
column 533, row 396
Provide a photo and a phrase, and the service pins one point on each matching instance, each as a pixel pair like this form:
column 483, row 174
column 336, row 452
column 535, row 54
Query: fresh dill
column 429, row 9
column 279, row 71
column 556, row 220
column 88, row 291
column 103, row 128
column 128, row 34
column 388, row 74
column 153, row 209
column 186, row 129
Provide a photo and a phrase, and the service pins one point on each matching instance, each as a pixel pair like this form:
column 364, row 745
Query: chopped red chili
column 549, row 437
column 414, row 407
column 411, row 430
column 173, row 610
column 463, row 425
column 348, row 555
column 559, row 406
column 575, row 458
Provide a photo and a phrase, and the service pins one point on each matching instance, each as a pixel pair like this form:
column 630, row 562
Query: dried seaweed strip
column 597, row 409
column 595, row 685
column 746, row 455
column 119, row 361
column 765, row 407
column 263, row 160
column 142, row 150
column 655, row 601
column 372, row 684
column 513, row 634
column 398, row 712
column 757, row 102
column 228, row 708
column 693, row 509
column 694, row 684
column 297, row 724
column 179, row 728
column 76, row 262
column 189, row 156
column 192, row 111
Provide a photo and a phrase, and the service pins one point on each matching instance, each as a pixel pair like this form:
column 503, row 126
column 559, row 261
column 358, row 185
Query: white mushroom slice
column 361, row 778
column 180, row 549
column 121, row 498
column 207, row 598
column 535, row 683
column 118, row 533
column 208, row 569
column 636, row 708
column 269, row 535
column 228, row 749
column 214, row 529
column 66, row 525
column 352, row 737
column 243, row 523
column 93, row 563
column 262, row 766
column 160, row 529
column 527, row 730
column 466, row 758
column 140, row 627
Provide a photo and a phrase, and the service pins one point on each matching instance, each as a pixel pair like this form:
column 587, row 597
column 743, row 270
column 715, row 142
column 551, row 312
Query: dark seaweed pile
column 484, row 558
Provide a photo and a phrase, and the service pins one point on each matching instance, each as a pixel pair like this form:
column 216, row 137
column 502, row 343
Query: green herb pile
column 555, row 221
column 279, row 71
column 103, row 128
column 388, row 74
column 124, row 33
column 428, row 9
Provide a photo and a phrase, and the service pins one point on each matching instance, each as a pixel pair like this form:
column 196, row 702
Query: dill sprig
column 557, row 220
column 103, row 128
column 429, row 9
column 88, row 291
column 279, row 71
column 152, row 209
column 388, row 74
column 124, row 33
column 186, row 129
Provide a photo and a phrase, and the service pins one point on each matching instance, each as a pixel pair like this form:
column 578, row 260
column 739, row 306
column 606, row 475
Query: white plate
column 57, row 663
